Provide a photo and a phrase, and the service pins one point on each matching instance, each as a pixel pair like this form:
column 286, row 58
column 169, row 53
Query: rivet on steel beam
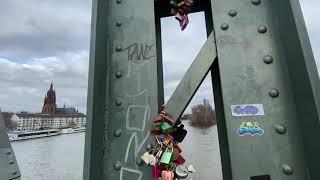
column 281, row 129
column 118, row 48
column 232, row 13
column 268, row 59
column 118, row 102
column 117, row 133
column 273, row 93
column 118, row 1
column 118, row 74
column 117, row 166
column 287, row 169
column 118, row 23
column 149, row 147
column 256, row 2
column 224, row 26
column 262, row 29
column 14, row 172
column 11, row 162
column 8, row 152
column 139, row 162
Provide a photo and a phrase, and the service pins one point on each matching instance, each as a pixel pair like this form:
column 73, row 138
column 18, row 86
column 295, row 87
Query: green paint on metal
column 263, row 57
column 8, row 165
column 123, row 40
column 271, row 28
column 192, row 80
column 96, row 104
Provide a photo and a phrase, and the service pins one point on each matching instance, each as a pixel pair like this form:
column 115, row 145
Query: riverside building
column 51, row 116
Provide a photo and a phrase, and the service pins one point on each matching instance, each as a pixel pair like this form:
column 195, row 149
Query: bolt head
column 224, row 26
column 14, row 172
column 117, row 133
column 281, row 129
column 118, row 1
column 287, row 169
column 117, row 166
column 256, row 2
column 232, row 13
column 274, row 93
column 118, row 23
column 118, row 74
column 11, row 162
column 262, row 29
column 268, row 59
column 8, row 152
column 118, row 48
column 118, row 102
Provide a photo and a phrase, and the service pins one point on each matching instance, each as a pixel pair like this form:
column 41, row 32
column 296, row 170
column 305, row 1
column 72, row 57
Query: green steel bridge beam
column 9, row 169
column 263, row 57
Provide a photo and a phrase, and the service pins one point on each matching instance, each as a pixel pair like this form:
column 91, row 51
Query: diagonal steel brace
column 192, row 79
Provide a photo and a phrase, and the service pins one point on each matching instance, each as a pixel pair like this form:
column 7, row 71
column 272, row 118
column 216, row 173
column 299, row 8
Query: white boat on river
column 22, row 135
column 71, row 130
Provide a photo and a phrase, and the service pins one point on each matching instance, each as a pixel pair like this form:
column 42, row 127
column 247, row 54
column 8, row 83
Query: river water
column 61, row 157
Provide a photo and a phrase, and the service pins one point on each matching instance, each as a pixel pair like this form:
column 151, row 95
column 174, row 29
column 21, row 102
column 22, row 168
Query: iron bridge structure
column 258, row 52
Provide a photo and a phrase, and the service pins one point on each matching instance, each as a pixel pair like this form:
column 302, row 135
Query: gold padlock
column 159, row 153
column 145, row 157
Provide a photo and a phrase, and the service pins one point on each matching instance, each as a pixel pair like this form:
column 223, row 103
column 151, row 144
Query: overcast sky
column 48, row 40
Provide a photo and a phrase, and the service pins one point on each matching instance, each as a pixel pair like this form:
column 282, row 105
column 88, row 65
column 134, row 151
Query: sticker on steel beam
column 250, row 128
column 247, row 110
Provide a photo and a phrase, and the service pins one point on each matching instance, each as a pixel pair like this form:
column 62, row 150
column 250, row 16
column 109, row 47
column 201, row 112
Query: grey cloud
column 24, row 85
column 43, row 28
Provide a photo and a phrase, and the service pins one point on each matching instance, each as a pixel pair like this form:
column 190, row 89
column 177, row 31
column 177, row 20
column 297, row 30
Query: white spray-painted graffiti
column 137, row 116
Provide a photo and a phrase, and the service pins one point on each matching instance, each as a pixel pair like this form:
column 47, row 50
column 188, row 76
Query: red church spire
column 49, row 106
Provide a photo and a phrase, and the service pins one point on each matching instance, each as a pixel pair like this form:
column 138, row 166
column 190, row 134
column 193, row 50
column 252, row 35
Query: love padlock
column 152, row 160
column 179, row 133
column 175, row 154
column 166, row 156
column 159, row 153
column 166, row 127
column 168, row 140
column 180, row 160
column 157, row 118
column 156, row 171
column 166, row 118
column 167, row 175
column 181, row 172
column 145, row 157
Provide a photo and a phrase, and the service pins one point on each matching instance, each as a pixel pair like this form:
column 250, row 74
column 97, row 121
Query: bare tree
column 203, row 115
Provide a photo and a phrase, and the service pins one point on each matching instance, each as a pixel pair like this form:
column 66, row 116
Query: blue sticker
column 247, row 110
column 250, row 128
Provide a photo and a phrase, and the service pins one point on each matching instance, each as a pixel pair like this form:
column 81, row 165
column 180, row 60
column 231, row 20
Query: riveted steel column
column 123, row 89
column 264, row 57
column 8, row 165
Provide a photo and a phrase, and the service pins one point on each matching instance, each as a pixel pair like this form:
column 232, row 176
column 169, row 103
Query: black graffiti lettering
column 139, row 51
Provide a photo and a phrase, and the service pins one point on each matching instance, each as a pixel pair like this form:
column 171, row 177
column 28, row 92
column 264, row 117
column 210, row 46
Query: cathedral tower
column 49, row 106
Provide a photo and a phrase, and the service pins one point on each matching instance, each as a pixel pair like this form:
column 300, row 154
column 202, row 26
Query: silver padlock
column 181, row 171
column 152, row 160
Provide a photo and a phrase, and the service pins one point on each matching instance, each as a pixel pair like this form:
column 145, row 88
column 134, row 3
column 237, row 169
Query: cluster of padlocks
column 165, row 158
column 180, row 9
